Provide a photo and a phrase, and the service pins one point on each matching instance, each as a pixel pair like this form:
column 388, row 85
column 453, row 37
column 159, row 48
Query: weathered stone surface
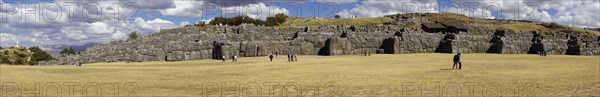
column 192, row 43
column 336, row 46
column 171, row 57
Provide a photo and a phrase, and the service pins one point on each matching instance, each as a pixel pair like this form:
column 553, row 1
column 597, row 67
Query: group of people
column 233, row 58
column 294, row 57
column 542, row 53
column 291, row 57
column 457, row 61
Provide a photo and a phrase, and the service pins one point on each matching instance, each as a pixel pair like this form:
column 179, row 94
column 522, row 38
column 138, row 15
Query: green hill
column 23, row 56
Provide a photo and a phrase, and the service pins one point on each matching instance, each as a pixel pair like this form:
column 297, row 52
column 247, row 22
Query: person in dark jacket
column 234, row 58
column 271, row 57
column 292, row 57
column 457, row 61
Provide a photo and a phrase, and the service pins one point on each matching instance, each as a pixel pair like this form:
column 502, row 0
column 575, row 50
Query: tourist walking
column 234, row 58
column 271, row 57
column 223, row 58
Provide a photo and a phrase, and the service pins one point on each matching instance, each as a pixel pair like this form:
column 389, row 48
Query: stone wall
column 191, row 43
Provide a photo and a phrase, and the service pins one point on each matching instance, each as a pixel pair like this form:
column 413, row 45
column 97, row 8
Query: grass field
column 353, row 75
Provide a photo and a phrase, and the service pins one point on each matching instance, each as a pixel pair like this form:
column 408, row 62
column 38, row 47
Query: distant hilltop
column 54, row 50
column 391, row 34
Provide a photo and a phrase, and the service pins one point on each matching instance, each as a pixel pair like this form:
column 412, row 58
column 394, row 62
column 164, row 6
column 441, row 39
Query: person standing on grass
column 457, row 61
column 234, row 58
column 295, row 57
column 271, row 57
column 223, row 58
column 292, row 57
column 289, row 57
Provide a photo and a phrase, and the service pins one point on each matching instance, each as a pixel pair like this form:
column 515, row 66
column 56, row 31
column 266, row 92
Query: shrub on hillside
column 19, row 61
column 39, row 55
column 68, row 51
column 238, row 20
column 4, row 60
column 133, row 36
column 276, row 20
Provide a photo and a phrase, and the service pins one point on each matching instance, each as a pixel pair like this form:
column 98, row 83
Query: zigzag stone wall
column 191, row 43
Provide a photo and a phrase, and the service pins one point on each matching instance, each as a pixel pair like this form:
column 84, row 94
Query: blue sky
column 301, row 9
column 93, row 21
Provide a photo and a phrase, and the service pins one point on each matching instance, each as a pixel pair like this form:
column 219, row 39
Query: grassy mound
column 316, row 22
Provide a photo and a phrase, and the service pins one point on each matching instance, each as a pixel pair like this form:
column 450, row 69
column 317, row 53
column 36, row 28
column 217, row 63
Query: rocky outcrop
column 192, row 43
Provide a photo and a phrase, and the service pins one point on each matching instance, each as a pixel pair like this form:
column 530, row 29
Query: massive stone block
column 170, row 57
column 160, row 55
column 195, row 55
column 336, row 46
column 250, row 49
column 307, row 48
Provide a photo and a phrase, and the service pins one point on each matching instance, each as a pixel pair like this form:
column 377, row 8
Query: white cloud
column 575, row 13
column 100, row 28
column 379, row 8
column 184, row 8
column 184, row 23
column 72, row 27
column 256, row 11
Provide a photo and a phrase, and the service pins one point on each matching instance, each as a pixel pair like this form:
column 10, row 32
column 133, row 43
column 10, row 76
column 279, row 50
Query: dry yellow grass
column 353, row 75
column 520, row 27
column 312, row 22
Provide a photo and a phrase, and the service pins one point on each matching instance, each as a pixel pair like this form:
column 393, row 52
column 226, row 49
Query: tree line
column 238, row 20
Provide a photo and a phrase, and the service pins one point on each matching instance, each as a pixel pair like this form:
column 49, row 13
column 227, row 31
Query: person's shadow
column 446, row 69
